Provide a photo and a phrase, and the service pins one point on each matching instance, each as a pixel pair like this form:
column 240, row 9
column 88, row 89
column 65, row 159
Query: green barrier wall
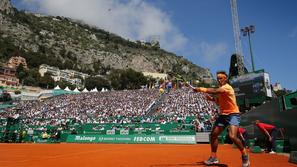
column 285, row 102
column 134, row 139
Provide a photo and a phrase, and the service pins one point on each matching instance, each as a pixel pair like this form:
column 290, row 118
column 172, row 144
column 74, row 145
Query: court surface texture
column 128, row 155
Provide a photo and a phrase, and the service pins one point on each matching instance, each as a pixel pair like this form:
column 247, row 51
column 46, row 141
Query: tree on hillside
column 115, row 79
column 134, row 79
column 47, row 81
column 96, row 82
column 68, row 64
column 7, row 48
column 127, row 79
column 32, row 78
column 21, row 73
column 63, row 84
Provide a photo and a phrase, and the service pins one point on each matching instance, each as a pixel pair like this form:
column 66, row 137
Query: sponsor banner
column 110, row 132
column 124, row 132
column 149, row 139
column 183, row 139
column 40, row 140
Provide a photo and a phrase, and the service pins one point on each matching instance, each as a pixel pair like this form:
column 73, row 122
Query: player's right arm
column 210, row 98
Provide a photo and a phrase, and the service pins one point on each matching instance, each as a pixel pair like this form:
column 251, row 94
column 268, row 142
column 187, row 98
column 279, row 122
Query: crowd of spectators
column 96, row 107
column 125, row 106
column 182, row 103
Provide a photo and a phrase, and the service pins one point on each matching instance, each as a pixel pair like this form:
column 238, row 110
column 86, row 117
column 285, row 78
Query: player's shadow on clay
column 220, row 165
column 188, row 165
column 174, row 165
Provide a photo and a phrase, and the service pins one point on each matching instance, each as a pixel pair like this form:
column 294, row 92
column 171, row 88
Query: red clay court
column 127, row 155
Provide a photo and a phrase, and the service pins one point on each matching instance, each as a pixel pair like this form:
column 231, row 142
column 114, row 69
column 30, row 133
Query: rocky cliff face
column 60, row 41
column 5, row 6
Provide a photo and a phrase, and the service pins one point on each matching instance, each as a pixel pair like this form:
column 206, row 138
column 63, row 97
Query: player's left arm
column 210, row 90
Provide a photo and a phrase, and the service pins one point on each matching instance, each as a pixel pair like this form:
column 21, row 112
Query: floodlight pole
column 247, row 32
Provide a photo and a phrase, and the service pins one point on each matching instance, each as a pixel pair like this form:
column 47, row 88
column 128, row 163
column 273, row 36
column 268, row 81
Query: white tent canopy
column 104, row 90
column 67, row 89
column 85, row 90
column 76, row 90
column 94, row 90
column 57, row 87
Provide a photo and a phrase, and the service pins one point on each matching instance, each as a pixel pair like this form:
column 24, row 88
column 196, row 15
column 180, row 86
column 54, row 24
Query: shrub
column 17, row 92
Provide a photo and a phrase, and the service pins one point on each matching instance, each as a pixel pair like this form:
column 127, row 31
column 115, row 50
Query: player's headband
column 222, row 76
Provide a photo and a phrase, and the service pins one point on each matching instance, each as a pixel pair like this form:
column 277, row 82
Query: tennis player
column 229, row 116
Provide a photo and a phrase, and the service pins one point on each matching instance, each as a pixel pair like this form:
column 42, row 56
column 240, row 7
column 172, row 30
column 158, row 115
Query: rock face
column 71, row 44
column 5, row 6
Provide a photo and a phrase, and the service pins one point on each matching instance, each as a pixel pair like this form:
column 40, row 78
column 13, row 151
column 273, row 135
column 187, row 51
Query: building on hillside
column 8, row 76
column 43, row 68
column 207, row 79
column 14, row 62
column 277, row 86
column 156, row 75
column 75, row 74
column 70, row 76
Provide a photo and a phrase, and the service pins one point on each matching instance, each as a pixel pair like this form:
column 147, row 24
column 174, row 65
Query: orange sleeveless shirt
column 227, row 101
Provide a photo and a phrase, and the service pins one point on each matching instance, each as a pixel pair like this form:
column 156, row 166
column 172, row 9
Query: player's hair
column 223, row 72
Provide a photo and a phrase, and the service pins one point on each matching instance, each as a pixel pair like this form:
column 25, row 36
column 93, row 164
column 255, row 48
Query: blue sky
column 200, row 30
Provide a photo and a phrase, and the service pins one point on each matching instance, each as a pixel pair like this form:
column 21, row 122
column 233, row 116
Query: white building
column 156, row 75
column 277, row 87
column 66, row 75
